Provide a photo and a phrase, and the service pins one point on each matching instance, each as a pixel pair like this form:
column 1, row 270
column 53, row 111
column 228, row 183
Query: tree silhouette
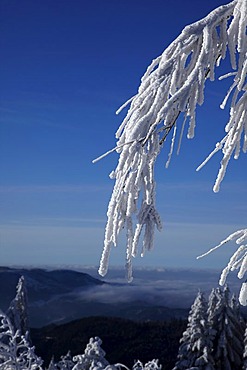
column 17, row 311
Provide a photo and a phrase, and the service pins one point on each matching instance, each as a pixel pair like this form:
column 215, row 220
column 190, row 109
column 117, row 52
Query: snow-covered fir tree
column 212, row 302
column 16, row 353
column 172, row 87
column 151, row 365
column 224, row 318
column 18, row 309
column 245, row 350
column 93, row 357
column 196, row 343
column 235, row 306
column 52, row 365
column 66, row 363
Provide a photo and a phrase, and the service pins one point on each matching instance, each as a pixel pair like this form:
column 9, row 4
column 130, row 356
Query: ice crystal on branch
column 173, row 86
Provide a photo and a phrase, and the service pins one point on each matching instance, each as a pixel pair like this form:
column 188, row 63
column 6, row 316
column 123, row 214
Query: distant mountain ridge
column 45, row 290
column 42, row 284
column 60, row 296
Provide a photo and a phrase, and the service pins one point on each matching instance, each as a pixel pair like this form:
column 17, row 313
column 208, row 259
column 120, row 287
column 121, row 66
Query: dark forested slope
column 123, row 340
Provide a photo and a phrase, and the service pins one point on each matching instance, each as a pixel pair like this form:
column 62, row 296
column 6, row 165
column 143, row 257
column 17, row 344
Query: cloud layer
column 171, row 288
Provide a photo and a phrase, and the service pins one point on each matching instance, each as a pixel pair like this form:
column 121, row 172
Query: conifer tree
column 235, row 306
column 214, row 297
column 93, row 357
column 151, row 365
column 228, row 333
column 18, row 309
column 196, row 345
column 66, row 362
column 52, row 365
column 245, row 350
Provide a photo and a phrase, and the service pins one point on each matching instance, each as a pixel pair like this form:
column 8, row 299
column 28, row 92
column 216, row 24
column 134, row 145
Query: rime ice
column 173, row 86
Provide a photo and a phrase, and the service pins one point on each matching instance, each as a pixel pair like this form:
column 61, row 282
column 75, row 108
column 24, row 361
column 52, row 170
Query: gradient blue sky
column 66, row 66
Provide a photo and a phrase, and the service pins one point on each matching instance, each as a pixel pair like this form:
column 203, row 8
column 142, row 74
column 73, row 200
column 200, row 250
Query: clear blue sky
column 66, row 66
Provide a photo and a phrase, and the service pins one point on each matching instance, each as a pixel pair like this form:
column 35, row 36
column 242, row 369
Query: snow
column 172, row 86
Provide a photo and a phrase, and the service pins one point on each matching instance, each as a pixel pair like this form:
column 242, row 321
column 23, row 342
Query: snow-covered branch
column 15, row 349
column 238, row 261
column 173, row 85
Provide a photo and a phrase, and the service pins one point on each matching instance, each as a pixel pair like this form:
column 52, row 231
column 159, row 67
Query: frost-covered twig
column 173, row 85
column 238, row 261
column 15, row 349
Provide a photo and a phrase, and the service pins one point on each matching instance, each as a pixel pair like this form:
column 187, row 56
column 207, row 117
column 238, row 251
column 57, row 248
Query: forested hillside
column 123, row 340
column 213, row 338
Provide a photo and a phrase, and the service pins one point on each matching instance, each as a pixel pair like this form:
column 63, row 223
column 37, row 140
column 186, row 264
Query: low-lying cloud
column 170, row 288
